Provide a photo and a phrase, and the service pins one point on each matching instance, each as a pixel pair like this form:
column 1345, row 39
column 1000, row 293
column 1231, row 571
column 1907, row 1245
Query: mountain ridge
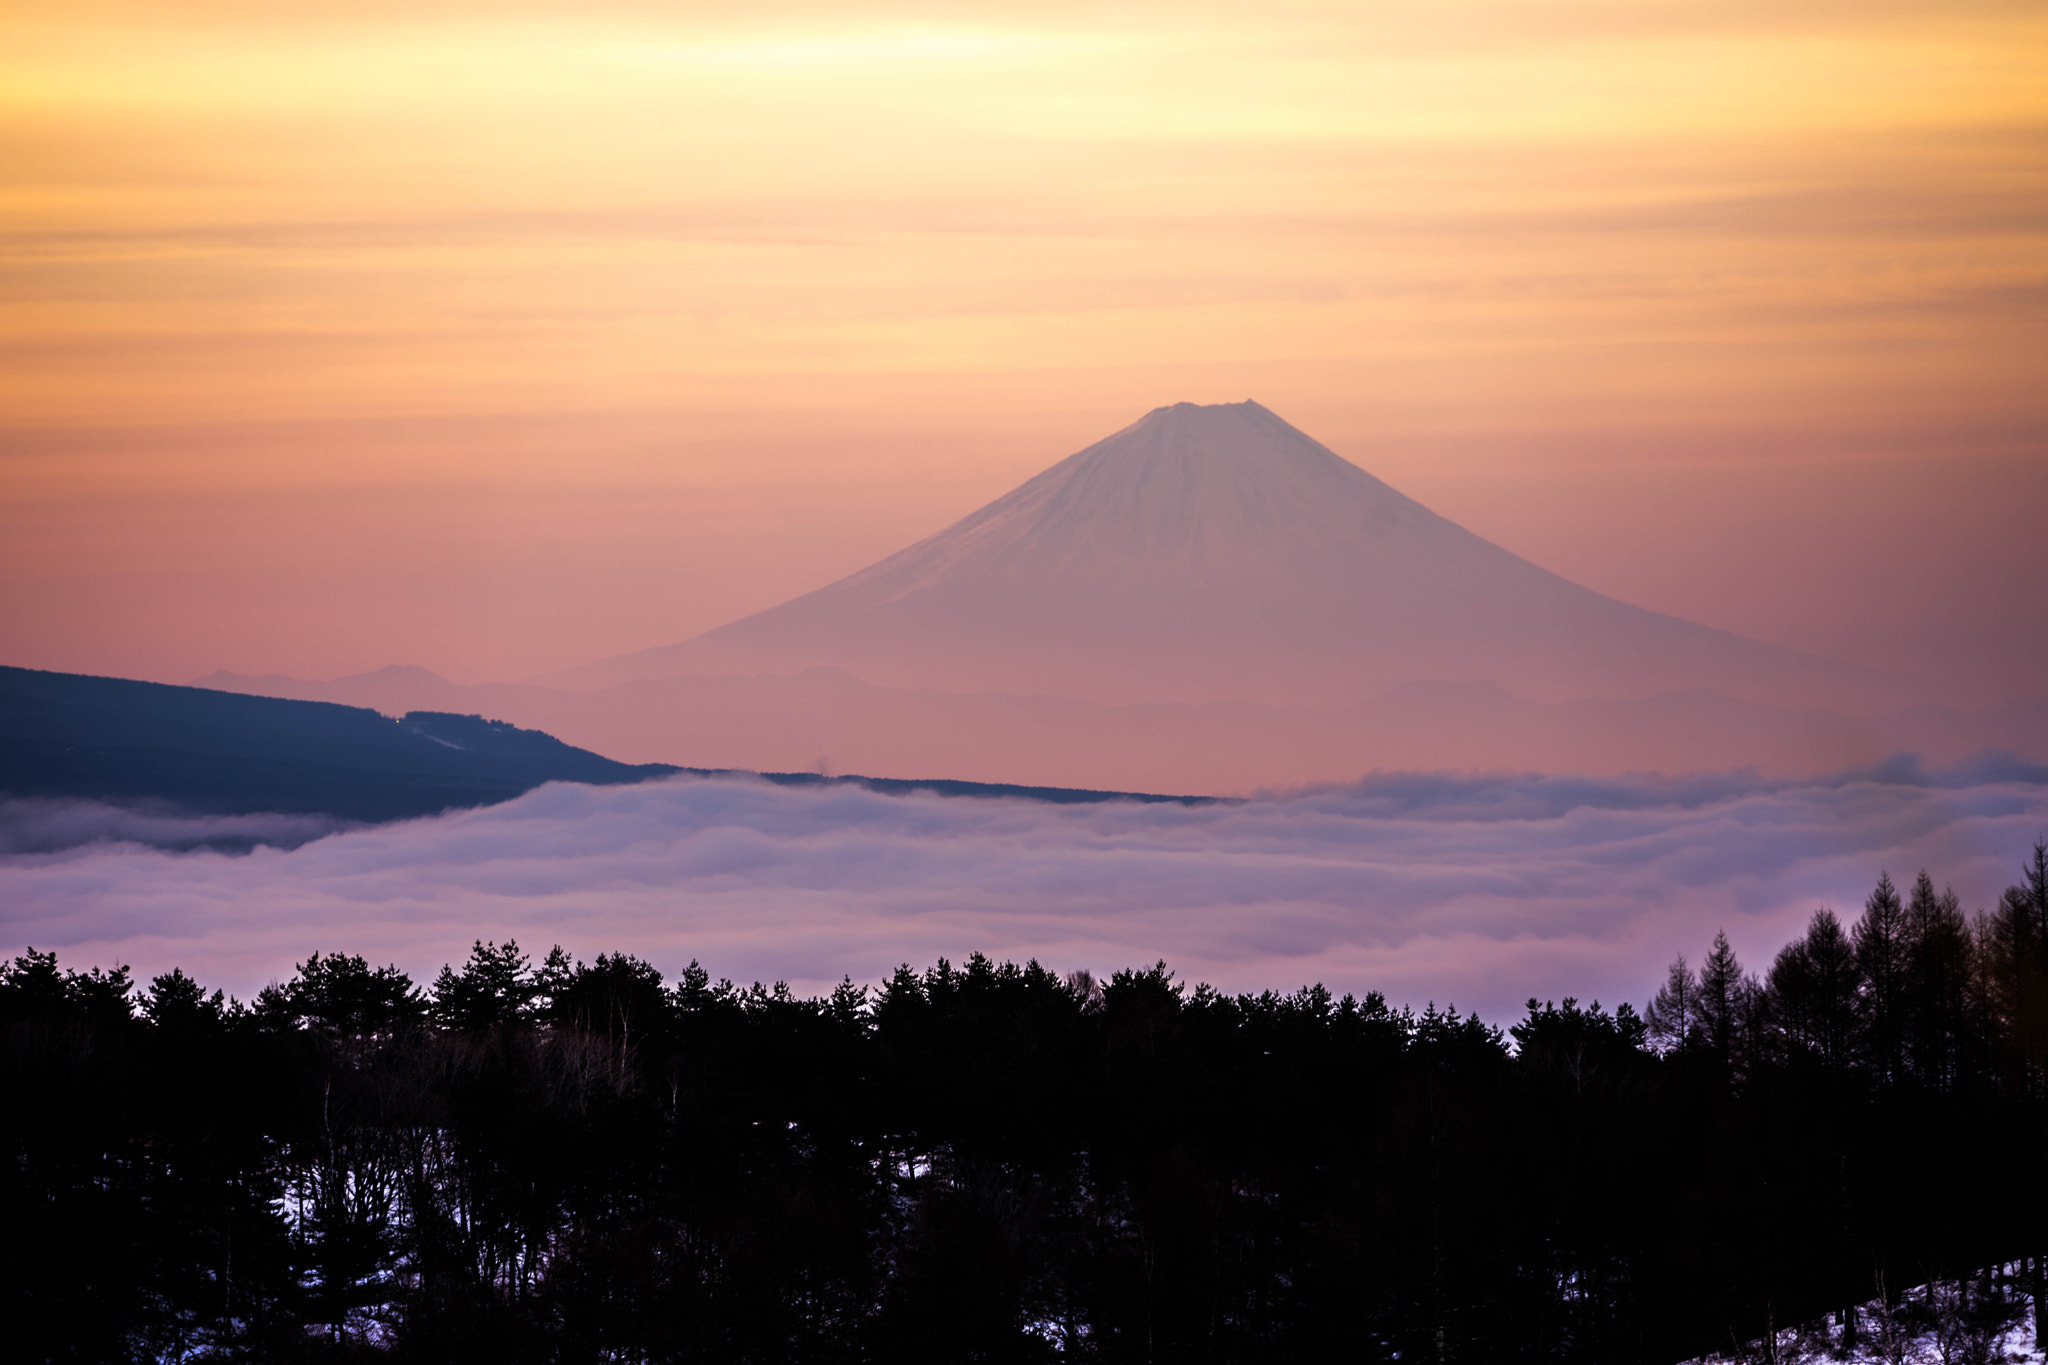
column 79, row 736
column 173, row 755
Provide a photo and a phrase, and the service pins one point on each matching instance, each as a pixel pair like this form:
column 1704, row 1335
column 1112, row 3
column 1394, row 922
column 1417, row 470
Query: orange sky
column 499, row 337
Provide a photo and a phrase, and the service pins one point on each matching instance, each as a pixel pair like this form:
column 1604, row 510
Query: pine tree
column 340, row 995
column 175, row 1001
column 1880, row 943
column 1673, row 1016
column 1938, row 953
column 2034, row 874
column 1831, row 960
column 2029, row 902
column 496, row 986
column 1723, row 1002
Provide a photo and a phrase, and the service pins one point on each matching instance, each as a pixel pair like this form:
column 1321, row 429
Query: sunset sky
column 499, row 337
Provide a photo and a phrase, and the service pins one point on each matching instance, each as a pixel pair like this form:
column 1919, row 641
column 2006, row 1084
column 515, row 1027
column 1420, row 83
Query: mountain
column 121, row 741
column 190, row 751
column 1211, row 553
column 394, row 691
column 1211, row 601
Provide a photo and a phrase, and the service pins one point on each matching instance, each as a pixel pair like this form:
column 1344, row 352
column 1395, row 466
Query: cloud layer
column 1480, row 891
column 48, row 826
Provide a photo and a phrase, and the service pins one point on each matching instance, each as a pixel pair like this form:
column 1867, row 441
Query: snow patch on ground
column 1983, row 1318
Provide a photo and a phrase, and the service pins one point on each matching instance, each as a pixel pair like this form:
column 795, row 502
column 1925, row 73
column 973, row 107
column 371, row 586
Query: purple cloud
column 1481, row 891
column 40, row 825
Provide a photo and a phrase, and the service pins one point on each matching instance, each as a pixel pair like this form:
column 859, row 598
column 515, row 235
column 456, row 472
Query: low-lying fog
column 1479, row 891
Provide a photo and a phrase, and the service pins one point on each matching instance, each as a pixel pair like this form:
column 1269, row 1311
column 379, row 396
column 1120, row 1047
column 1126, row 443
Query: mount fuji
column 1211, row 553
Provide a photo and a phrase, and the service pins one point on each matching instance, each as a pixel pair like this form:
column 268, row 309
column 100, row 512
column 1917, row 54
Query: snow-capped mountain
column 1215, row 552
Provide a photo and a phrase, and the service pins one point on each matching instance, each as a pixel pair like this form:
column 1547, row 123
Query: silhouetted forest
column 584, row 1162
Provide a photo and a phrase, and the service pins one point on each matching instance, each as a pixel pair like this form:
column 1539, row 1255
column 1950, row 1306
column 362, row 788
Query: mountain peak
column 1197, row 421
column 1216, row 409
column 1191, row 491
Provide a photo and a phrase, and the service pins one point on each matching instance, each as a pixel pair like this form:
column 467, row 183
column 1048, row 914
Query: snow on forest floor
column 1981, row 1319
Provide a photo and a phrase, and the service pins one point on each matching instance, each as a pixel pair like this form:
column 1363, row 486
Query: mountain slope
column 116, row 740
column 1209, row 553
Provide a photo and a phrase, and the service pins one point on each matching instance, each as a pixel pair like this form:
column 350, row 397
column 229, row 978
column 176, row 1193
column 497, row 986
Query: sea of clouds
column 1479, row 891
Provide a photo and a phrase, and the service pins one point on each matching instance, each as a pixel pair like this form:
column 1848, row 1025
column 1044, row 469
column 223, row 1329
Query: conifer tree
column 1880, row 943
column 176, row 1001
column 1673, row 1016
column 1813, row 986
column 1723, row 1002
column 340, row 994
column 496, row 986
column 1935, row 983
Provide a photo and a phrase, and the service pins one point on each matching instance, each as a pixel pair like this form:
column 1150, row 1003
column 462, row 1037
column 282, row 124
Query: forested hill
column 582, row 1161
column 118, row 740
column 122, row 741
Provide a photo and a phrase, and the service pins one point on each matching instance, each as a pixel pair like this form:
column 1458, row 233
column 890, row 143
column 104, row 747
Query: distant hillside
column 116, row 740
column 225, row 753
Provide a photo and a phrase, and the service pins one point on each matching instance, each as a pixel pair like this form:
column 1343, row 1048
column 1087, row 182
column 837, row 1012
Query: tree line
column 585, row 1161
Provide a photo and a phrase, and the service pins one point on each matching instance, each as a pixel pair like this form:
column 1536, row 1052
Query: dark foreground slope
column 117, row 740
